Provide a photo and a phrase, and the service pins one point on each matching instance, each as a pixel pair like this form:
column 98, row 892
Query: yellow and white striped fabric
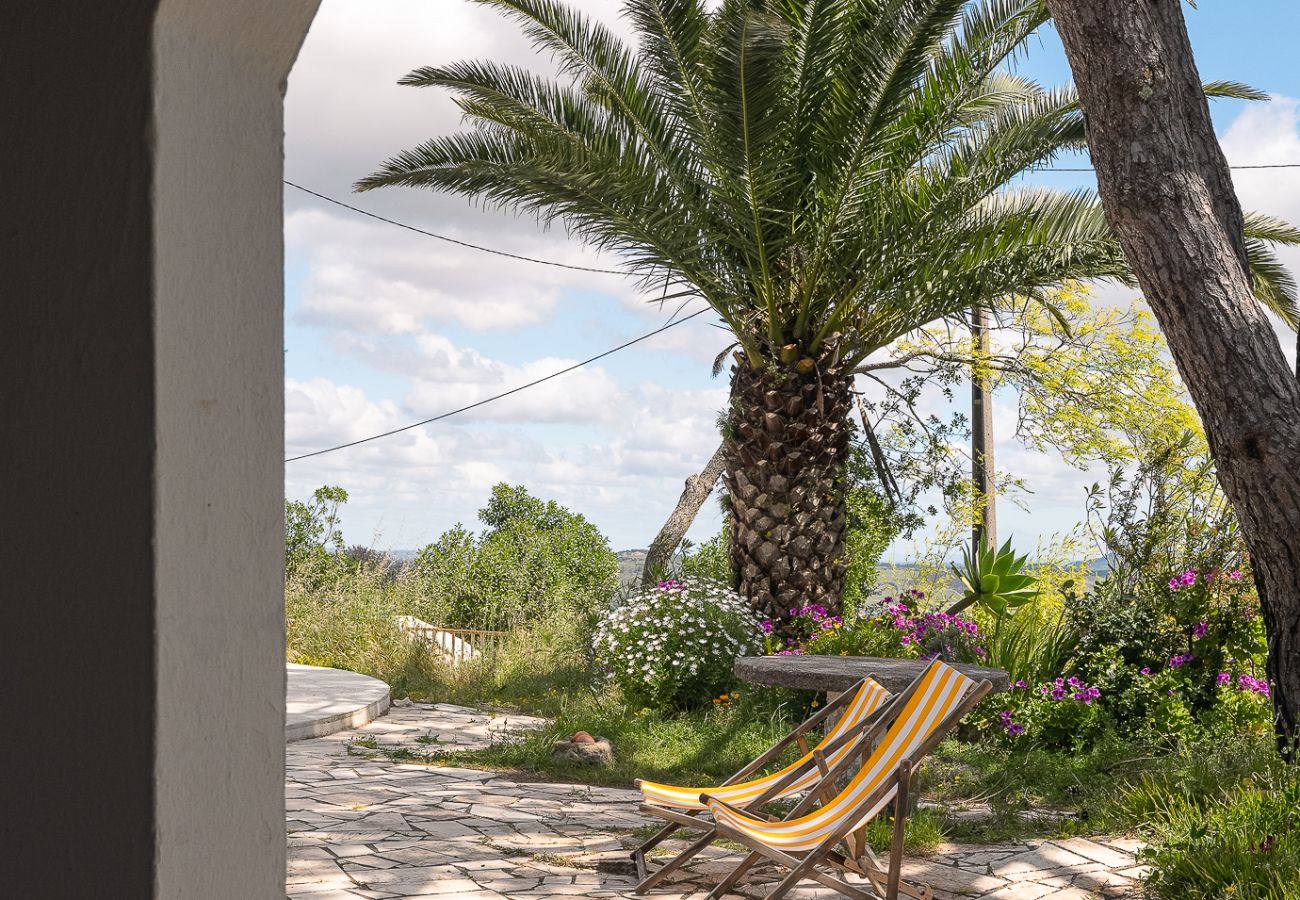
column 868, row 699
column 941, row 691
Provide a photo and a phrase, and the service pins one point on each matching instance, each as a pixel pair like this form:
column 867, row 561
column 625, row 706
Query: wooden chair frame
column 886, row 882
column 691, row 820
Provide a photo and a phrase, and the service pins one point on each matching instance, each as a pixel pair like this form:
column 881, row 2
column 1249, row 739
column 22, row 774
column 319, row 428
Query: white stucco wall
column 220, row 71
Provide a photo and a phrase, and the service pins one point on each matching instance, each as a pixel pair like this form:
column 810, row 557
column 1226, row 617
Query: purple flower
column 1235, row 575
column 1180, row 659
column 1199, row 631
column 1058, row 693
column 1020, row 683
column 1223, row 678
column 1146, row 670
column 1008, row 724
column 766, row 625
column 1256, row 685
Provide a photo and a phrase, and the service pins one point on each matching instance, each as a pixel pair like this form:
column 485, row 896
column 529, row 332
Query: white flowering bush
column 674, row 646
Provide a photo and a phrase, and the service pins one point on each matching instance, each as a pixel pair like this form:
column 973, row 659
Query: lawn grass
column 1107, row 789
column 697, row 747
column 1118, row 786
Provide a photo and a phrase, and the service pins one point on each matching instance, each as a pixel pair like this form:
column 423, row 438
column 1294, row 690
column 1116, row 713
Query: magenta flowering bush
column 1156, row 645
column 1246, row 682
column 898, row 628
column 1062, row 714
column 941, row 634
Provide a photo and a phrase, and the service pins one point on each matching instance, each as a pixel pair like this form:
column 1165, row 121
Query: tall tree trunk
column 1168, row 194
column 981, row 431
column 698, row 488
column 787, row 443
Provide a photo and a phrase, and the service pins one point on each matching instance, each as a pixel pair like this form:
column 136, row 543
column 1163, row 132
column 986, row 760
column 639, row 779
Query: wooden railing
column 454, row 644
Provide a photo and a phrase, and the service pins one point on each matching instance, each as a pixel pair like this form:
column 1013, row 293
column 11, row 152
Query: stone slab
column 321, row 701
column 839, row 673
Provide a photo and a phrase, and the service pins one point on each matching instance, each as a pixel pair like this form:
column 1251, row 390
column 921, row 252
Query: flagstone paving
column 362, row 825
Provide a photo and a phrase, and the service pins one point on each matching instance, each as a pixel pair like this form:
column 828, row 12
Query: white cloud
column 371, row 277
column 1269, row 133
column 625, row 476
column 345, row 114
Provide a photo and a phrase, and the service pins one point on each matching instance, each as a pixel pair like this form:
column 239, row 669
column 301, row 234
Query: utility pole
column 981, row 429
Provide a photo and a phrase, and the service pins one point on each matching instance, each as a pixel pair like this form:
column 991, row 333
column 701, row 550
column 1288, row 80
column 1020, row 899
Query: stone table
column 835, row 674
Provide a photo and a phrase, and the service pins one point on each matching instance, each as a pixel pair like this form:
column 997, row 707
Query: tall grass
column 1034, row 643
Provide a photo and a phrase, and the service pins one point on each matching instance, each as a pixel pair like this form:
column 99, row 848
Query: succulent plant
column 994, row 578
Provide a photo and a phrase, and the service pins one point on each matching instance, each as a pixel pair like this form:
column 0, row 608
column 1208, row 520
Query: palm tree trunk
column 697, row 490
column 1168, row 194
column 981, row 432
column 787, row 444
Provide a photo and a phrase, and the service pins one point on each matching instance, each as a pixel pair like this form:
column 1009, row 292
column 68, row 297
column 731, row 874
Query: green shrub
column 708, row 561
column 674, row 646
column 1061, row 714
column 1245, row 844
column 1160, row 646
column 535, row 559
column 313, row 542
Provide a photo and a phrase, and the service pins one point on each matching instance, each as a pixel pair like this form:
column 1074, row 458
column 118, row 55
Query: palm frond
column 808, row 167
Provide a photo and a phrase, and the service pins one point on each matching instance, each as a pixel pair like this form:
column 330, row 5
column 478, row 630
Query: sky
column 385, row 327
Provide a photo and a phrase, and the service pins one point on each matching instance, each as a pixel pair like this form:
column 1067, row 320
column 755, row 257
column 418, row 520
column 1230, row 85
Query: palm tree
column 827, row 174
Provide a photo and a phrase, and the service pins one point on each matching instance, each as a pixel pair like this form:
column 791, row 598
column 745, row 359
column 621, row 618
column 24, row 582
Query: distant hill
column 895, row 575
column 630, row 564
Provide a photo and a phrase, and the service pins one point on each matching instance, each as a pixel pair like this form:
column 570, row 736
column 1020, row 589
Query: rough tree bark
column 981, row 433
column 787, row 445
column 1168, row 194
column 698, row 488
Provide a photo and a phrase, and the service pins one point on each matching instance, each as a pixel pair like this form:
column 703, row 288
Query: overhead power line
column 559, row 265
column 1093, row 169
column 598, row 271
column 451, row 240
column 514, row 390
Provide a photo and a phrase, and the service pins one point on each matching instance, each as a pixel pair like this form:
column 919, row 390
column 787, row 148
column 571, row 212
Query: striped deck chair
column 681, row 806
column 808, row 837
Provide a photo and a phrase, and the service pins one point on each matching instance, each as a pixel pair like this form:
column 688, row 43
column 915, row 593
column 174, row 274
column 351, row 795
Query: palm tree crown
column 828, row 175
column 808, row 167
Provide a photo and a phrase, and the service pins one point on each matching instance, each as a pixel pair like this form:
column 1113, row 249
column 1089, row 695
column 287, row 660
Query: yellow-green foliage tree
column 1093, row 383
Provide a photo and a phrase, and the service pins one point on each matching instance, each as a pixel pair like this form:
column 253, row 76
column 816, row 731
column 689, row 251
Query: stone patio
column 361, row 825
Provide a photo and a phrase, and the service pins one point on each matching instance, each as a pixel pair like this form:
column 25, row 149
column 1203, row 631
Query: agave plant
column 828, row 175
column 994, row 578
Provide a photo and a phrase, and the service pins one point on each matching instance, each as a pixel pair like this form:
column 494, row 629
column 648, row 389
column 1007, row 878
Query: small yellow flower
column 816, row 704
